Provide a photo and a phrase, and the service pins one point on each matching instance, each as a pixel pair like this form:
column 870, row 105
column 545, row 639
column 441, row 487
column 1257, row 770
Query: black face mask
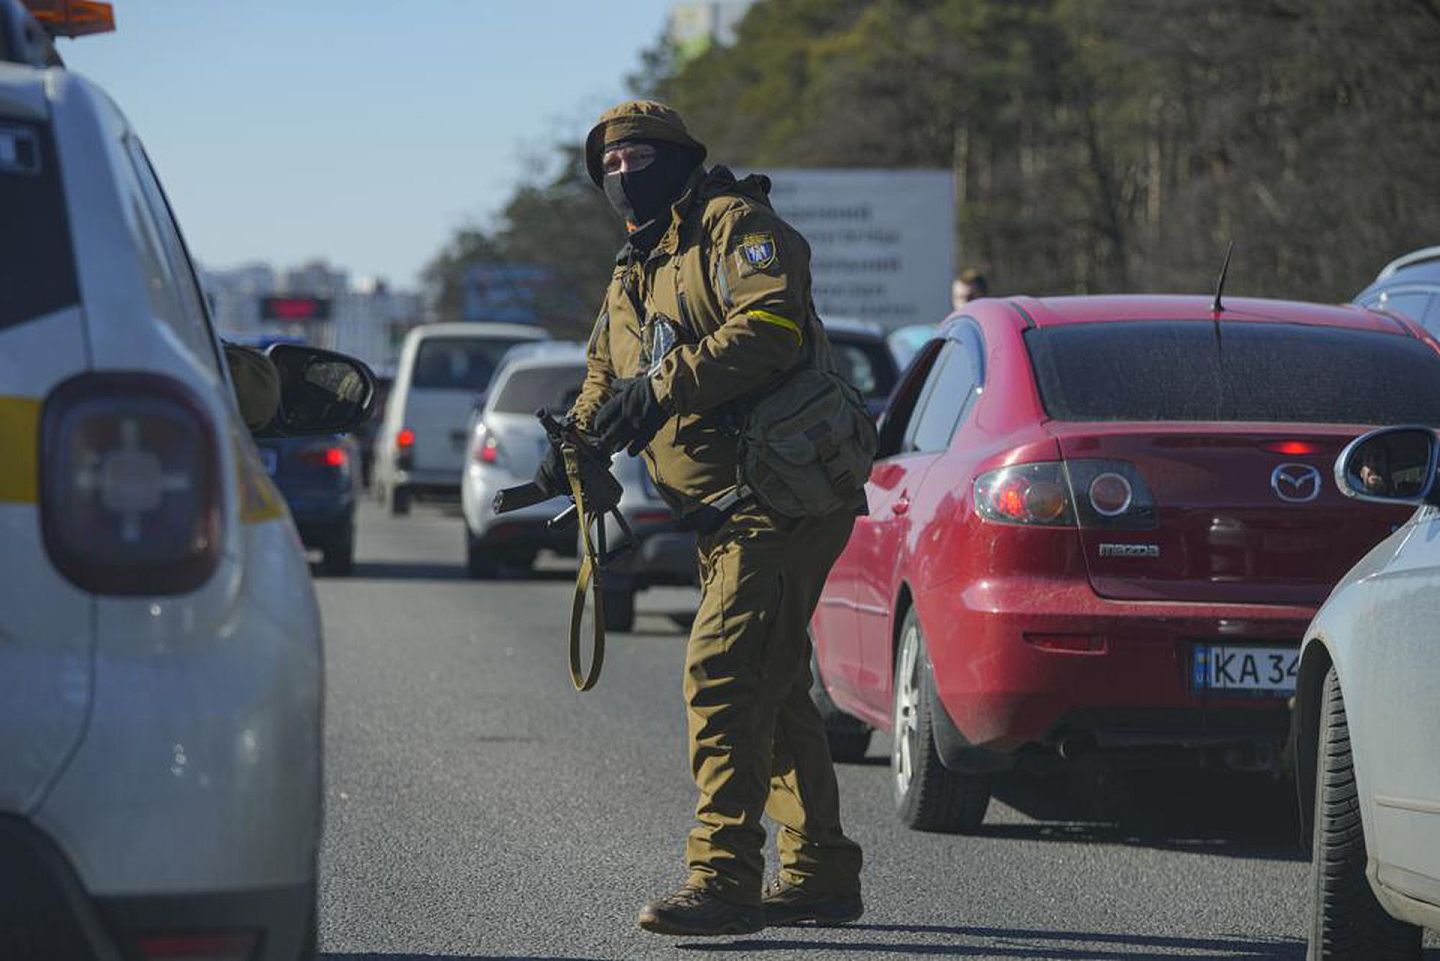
column 648, row 194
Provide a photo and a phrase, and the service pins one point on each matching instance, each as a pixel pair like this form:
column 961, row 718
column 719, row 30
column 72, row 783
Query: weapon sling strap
column 590, row 577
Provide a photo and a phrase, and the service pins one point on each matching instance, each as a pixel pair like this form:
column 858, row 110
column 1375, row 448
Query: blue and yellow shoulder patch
column 757, row 252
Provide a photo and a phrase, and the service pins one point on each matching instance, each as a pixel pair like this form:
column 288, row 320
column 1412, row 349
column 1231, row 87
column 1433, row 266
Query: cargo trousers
column 757, row 743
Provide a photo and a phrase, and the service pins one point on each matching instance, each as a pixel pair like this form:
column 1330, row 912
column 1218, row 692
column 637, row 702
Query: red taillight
column 1008, row 497
column 1103, row 494
column 488, row 452
column 1294, row 447
column 227, row 946
column 323, row 455
column 405, row 439
column 129, row 485
column 1025, row 494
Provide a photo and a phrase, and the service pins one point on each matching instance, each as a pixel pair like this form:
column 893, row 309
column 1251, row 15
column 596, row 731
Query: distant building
column 315, row 279
column 365, row 319
column 372, row 320
column 235, row 296
column 697, row 24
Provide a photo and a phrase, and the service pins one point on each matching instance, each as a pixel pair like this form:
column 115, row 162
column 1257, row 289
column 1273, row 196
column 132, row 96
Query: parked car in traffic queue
column 317, row 478
column 905, row 342
column 661, row 555
column 864, row 359
column 1367, row 719
column 424, row 436
column 160, row 647
column 1098, row 527
column 1408, row 285
column 506, row 445
column 368, row 434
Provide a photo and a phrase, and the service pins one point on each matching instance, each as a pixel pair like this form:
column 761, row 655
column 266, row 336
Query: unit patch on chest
column 756, row 252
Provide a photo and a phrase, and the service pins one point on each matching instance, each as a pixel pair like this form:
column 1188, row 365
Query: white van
column 443, row 369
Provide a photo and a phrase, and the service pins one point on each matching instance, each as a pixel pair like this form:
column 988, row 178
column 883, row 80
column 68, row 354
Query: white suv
column 160, row 653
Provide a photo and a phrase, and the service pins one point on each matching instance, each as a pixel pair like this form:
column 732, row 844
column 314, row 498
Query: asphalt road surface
column 477, row 807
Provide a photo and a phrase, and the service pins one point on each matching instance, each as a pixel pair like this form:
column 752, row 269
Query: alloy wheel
column 907, row 711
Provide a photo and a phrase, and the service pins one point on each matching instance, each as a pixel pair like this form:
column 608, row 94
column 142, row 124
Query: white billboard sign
column 882, row 242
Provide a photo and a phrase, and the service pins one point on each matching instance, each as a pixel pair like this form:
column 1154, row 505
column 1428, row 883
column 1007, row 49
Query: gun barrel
column 521, row 495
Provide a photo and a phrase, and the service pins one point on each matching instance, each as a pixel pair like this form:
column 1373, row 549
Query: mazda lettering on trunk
column 1129, row 550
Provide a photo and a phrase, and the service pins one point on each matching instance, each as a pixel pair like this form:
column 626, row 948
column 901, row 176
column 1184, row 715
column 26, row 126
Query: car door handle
column 901, row 506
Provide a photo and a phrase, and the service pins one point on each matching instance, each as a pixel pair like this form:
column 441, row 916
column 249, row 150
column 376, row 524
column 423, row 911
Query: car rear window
column 1184, row 371
column 458, row 363
column 526, row 391
column 37, row 260
column 867, row 365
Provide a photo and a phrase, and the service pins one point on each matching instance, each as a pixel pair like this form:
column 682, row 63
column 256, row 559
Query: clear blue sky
column 363, row 131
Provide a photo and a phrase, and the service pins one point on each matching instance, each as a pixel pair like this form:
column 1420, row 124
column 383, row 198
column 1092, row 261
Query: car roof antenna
column 1217, row 307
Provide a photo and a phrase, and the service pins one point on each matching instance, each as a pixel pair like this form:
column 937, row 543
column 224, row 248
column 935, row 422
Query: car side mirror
column 1394, row 465
column 321, row 391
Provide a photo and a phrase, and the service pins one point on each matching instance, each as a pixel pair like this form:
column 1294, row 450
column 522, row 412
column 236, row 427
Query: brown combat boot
column 693, row 912
column 787, row 905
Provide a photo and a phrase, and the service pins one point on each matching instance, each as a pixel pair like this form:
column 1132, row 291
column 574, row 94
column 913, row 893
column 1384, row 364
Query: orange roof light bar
column 73, row 18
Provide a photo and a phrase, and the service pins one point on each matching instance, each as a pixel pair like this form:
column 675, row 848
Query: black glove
column 631, row 417
column 550, row 476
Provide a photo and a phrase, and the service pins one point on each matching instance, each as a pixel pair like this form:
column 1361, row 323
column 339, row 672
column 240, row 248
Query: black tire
column 928, row 795
column 619, row 609
column 310, row 949
column 1347, row 923
column 523, row 562
column 848, row 737
column 339, row 554
column 399, row 501
column 480, row 564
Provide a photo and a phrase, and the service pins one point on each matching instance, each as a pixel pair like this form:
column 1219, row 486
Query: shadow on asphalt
column 1003, row 943
column 1080, row 946
column 1205, row 812
column 432, row 571
column 447, row 957
column 399, row 571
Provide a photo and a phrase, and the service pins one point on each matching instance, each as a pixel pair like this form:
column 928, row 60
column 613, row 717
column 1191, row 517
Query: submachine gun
column 594, row 494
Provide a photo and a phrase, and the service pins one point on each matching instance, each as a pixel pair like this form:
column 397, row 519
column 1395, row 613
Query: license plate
column 1224, row 667
column 269, row 459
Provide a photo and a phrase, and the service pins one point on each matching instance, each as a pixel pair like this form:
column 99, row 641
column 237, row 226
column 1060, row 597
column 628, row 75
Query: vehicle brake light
column 323, row 455
column 129, row 485
column 1025, row 494
column 228, row 946
column 405, row 439
column 489, row 451
column 1294, row 447
column 1104, row 494
column 73, row 18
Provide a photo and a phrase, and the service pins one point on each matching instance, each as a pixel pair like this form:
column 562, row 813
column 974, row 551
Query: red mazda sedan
column 1099, row 526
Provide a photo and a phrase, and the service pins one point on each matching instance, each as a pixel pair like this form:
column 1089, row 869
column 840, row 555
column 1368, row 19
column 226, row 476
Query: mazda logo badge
column 1295, row 483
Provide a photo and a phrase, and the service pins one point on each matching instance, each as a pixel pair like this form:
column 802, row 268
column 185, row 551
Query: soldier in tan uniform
column 708, row 306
